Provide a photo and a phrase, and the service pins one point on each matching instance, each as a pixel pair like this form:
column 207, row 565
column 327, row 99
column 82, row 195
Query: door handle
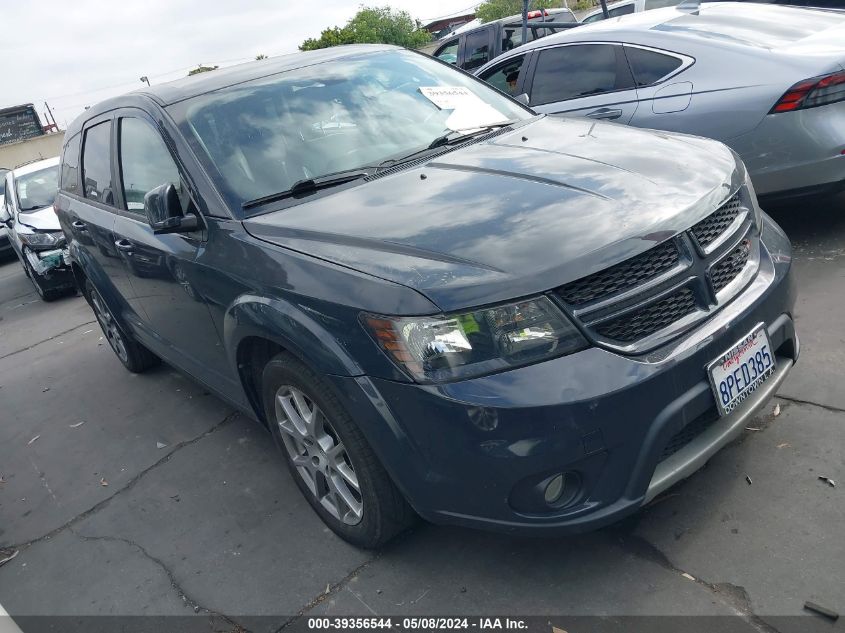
column 79, row 226
column 124, row 245
column 605, row 113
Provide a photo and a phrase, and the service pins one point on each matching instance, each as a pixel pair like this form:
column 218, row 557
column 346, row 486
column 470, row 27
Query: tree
column 201, row 69
column 373, row 25
column 490, row 10
column 260, row 57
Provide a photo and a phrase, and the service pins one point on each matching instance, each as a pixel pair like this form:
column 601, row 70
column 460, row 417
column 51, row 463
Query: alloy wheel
column 110, row 329
column 318, row 455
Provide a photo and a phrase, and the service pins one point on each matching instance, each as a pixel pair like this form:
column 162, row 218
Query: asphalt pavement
column 145, row 495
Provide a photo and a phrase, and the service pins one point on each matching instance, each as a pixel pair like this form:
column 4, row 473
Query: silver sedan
column 768, row 81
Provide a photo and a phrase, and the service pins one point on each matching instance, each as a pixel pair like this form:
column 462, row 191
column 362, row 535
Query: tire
column 310, row 426
column 134, row 356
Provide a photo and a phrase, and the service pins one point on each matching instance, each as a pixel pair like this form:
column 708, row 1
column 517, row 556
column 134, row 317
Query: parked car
column 33, row 229
column 446, row 304
column 626, row 7
column 473, row 48
column 766, row 80
column 813, row 4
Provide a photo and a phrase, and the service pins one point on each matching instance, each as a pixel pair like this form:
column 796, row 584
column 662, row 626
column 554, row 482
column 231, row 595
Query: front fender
column 289, row 326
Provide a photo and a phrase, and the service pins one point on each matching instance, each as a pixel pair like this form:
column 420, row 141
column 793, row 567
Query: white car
column 625, row 7
column 33, row 228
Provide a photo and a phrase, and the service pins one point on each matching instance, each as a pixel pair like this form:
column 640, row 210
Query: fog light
column 554, row 489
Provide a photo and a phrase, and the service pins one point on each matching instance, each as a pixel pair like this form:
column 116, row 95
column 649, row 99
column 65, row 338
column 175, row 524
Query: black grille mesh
column 711, row 227
column 621, row 276
column 645, row 321
column 689, row 433
column 726, row 270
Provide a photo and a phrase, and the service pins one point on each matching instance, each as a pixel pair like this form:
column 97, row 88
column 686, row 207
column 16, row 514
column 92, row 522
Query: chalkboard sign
column 19, row 123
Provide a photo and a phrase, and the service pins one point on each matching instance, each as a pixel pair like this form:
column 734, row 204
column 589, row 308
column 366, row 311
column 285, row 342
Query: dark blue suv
column 438, row 302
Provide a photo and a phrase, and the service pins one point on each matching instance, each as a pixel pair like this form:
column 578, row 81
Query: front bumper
column 472, row 452
column 52, row 268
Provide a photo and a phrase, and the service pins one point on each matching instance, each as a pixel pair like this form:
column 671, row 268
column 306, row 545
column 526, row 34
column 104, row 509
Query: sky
column 73, row 54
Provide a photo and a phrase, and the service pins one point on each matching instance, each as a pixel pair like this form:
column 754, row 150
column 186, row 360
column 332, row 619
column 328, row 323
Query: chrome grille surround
column 712, row 267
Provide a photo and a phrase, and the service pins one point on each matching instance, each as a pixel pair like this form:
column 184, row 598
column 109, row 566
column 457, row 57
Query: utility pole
column 525, row 21
column 51, row 115
column 145, row 80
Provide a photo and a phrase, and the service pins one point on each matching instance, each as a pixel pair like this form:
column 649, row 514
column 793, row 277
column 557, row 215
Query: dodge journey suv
column 439, row 303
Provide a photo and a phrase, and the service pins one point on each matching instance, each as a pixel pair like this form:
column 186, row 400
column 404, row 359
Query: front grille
column 622, row 276
column 645, row 321
column 689, row 433
column 711, row 227
column 726, row 270
column 668, row 279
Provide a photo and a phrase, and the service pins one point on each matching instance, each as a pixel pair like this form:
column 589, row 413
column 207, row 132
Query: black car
column 438, row 302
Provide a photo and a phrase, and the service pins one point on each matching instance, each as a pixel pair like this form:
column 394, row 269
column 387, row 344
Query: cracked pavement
column 166, row 502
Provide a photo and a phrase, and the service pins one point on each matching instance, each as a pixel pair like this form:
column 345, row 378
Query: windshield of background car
column 259, row 138
column 37, row 190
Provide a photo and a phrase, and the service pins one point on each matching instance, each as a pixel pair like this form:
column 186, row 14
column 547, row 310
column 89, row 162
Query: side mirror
column 5, row 218
column 522, row 98
column 164, row 211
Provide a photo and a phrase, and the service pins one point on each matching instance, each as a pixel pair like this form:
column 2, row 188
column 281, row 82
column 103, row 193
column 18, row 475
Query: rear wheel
column 134, row 356
column 331, row 462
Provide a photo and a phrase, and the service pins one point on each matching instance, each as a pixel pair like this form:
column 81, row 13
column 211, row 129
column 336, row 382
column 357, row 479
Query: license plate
column 741, row 370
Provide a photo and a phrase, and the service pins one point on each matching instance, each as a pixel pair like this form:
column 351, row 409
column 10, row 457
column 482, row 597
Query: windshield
column 38, row 189
column 261, row 137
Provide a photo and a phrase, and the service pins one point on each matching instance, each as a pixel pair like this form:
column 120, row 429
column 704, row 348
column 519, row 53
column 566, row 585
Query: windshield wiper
column 309, row 185
column 448, row 138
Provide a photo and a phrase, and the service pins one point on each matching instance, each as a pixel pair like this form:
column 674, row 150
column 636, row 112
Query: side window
column 512, row 36
column 505, row 76
column 649, row 66
column 569, row 72
column 96, row 164
column 593, row 18
column 70, row 166
column 477, row 49
column 448, row 52
column 659, row 4
column 145, row 162
column 623, row 10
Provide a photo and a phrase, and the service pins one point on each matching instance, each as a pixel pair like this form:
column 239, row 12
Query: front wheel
column 331, row 462
column 134, row 356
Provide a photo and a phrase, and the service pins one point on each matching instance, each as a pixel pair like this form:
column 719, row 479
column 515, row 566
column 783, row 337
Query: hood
column 42, row 220
column 521, row 213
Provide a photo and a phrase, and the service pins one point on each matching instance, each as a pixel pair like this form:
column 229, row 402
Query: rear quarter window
column 69, row 179
column 650, row 66
column 96, row 164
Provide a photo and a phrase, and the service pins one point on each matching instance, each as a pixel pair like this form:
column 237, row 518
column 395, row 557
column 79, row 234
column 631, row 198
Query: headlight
column 36, row 239
column 450, row 347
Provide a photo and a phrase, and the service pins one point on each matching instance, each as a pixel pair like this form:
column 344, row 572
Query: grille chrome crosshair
column 637, row 304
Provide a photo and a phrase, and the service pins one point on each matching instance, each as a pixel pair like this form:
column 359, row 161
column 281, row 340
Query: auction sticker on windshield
column 469, row 111
column 737, row 373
